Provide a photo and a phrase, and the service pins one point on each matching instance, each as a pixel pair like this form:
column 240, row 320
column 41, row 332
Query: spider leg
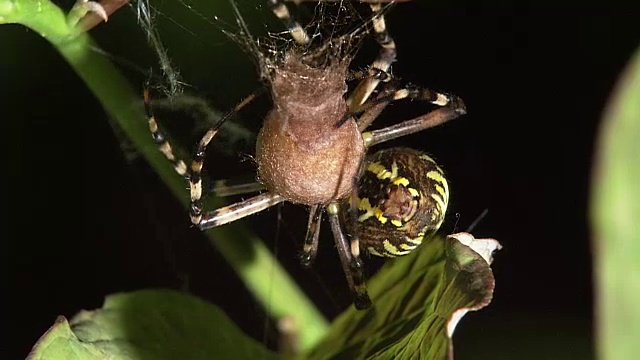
column 161, row 140
column 432, row 119
column 353, row 199
column 372, row 112
column 373, row 108
column 298, row 33
column 371, row 72
column 310, row 247
column 233, row 212
column 452, row 107
column 350, row 259
column 194, row 173
column 386, row 56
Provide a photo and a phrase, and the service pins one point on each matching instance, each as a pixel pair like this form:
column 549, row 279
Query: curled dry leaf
column 93, row 13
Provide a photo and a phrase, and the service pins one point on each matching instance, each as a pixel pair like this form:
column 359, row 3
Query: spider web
column 244, row 26
column 243, row 41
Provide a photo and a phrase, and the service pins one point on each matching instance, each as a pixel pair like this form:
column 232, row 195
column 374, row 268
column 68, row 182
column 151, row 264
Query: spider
column 312, row 149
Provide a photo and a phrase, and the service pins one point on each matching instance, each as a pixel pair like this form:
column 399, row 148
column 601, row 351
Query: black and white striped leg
column 195, row 177
column 195, row 171
column 350, row 259
column 310, row 246
column 193, row 174
column 432, row 119
column 160, row 138
column 239, row 210
column 386, row 57
column 413, row 92
column 298, row 33
column 374, row 107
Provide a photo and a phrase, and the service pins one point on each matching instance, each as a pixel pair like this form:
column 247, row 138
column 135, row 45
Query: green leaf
column 615, row 212
column 59, row 342
column 149, row 324
column 418, row 301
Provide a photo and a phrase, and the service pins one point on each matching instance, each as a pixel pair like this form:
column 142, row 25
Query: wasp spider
column 312, row 149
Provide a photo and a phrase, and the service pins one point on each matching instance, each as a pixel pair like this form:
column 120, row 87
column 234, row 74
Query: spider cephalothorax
column 402, row 199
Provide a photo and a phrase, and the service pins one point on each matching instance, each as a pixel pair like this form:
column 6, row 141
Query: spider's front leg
column 386, row 56
column 297, row 32
column 451, row 108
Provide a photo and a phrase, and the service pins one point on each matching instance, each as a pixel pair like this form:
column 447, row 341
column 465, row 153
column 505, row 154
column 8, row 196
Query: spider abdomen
column 402, row 199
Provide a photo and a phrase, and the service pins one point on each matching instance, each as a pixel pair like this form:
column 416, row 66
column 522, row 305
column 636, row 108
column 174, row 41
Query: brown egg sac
column 301, row 154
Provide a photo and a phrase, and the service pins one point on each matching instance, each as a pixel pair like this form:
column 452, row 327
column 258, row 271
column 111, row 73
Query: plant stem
column 615, row 212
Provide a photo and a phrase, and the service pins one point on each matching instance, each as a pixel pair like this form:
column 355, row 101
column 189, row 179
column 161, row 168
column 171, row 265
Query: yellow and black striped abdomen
column 402, row 199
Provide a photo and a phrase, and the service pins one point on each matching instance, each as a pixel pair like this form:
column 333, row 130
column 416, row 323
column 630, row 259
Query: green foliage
column 616, row 217
column 148, row 324
column 415, row 299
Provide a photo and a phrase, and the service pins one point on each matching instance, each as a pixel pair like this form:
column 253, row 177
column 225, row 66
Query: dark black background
column 83, row 221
